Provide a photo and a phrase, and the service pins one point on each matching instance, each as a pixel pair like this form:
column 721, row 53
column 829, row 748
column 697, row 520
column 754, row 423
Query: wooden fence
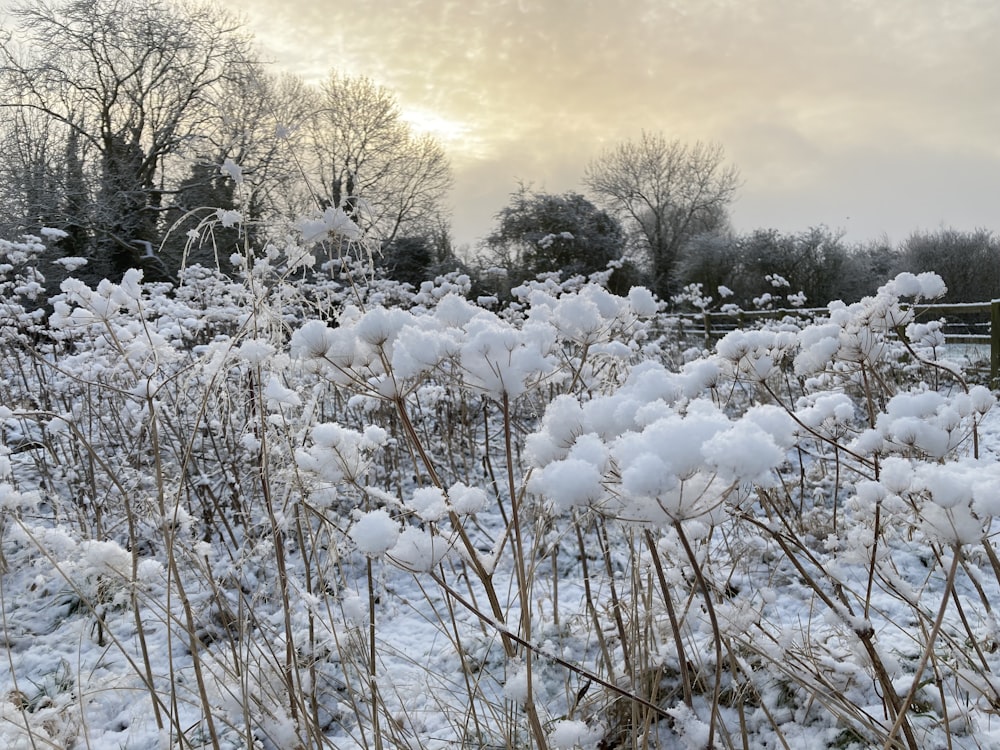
column 981, row 326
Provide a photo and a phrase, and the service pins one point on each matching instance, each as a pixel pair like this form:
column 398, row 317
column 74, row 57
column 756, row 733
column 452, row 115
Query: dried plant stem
column 373, row 657
column 716, row 633
column 949, row 585
column 675, row 626
column 589, row 599
column 793, row 548
column 278, row 537
column 556, row 659
column 169, row 524
column 509, row 642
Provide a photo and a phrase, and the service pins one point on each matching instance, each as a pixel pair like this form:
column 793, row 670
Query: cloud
column 793, row 90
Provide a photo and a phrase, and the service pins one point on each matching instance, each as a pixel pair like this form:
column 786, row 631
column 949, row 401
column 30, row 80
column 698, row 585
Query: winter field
column 263, row 512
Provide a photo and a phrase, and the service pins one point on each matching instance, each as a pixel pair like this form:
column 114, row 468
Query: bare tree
column 666, row 192
column 261, row 126
column 253, row 138
column 132, row 79
column 371, row 164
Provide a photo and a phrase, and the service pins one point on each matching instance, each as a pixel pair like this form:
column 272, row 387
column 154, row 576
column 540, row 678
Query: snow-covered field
column 266, row 513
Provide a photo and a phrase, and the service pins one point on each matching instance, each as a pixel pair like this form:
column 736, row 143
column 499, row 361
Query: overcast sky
column 871, row 116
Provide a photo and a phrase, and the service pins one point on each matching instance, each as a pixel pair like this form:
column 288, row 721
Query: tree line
column 676, row 244
column 134, row 126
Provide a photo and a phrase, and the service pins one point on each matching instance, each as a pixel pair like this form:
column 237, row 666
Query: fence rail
column 715, row 324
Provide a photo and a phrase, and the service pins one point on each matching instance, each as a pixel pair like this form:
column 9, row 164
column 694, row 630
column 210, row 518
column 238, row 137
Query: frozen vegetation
column 275, row 512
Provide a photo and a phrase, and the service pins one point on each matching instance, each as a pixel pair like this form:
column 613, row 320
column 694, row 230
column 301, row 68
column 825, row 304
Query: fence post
column 994, row 343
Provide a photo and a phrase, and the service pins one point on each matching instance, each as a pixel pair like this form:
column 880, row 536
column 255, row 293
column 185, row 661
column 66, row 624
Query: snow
column 429, row 503
column 417, row 550
column 515, row 688
column 375, row 532
column 332, row 222
column 380, row 326
column 570, row 733
column 312, row 340
column 744, row 453
column 232, row 170
column 925, row 285
column 642, row 301
column 271, row 501
column 568, row 483
column 71, row 263
column 419, row 351
column 228, row 218
column 256, row 351
column 278, row 394
column 465, row 500
column 647, row 475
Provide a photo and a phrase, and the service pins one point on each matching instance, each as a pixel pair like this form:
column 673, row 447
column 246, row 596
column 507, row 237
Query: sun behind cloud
column 459, row 138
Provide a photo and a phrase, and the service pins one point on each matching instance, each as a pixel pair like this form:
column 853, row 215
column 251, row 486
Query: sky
column 874, row 117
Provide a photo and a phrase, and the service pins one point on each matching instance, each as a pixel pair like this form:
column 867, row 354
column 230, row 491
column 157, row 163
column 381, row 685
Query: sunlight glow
column 455, row 136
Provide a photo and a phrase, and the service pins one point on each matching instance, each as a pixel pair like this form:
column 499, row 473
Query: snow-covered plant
column 21, row 288
column 306, row 507
column 693, row 295
column 654, row 455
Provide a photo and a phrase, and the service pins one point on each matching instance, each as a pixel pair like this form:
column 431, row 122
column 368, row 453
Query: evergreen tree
column 540, row 232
